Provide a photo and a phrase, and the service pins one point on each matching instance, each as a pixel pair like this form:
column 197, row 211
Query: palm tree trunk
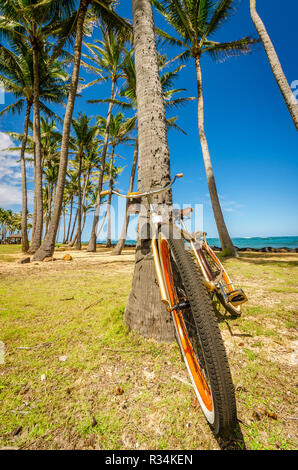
column 225, row 240
column 84, row 221
column 146, row 313
column 38, row 212
column 275, row 64
column 78, row 239
column 48, row 215
column 121, row 242
column 64, row 228
column 92, row 241
column 102, row 223
column 25, row 242
column 72, row 240
column 70, row 219
column 109, row 241
column 48, row 246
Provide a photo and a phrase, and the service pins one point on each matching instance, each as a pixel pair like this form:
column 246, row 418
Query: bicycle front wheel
column 198, row 336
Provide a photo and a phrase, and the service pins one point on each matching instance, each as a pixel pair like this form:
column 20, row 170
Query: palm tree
column 35, row 23
column 128, row 91
column 145, row 312
column 107, row 59
column 119, row 131
column 103, row 9
column 195, row 23
column 16, row 73
column 84, row 137
column 275, row 63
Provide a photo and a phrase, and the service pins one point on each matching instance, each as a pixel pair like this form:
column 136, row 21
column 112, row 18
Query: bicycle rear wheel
column 198, row 336
column 213, row 268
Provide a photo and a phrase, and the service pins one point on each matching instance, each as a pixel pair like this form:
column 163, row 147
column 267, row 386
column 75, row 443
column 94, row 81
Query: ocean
column 247, row 242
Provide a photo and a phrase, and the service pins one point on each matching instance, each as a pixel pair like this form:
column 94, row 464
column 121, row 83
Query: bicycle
column 188, row 279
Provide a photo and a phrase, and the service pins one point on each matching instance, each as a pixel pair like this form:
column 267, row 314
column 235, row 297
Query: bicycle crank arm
column 179, row 306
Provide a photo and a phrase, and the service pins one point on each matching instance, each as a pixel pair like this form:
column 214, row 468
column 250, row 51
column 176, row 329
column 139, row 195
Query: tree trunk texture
column 144, row 311
column 225, row 240
column 275, row 64
column 25, row 242
column 38, row 209
column 79, row 229
column 92, row 242
column 109, row 241
column 48, row 246
column 70, row 219
column 64, row 227
column 121, row 242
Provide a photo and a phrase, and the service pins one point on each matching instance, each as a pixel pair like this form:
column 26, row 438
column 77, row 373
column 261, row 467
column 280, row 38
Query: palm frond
column 224, row 50
column 224, row 10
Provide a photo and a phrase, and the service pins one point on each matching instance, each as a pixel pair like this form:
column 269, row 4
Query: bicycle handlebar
column 138, row 195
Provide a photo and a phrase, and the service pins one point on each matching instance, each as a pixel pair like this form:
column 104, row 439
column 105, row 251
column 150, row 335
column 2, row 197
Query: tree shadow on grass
column 234, row 442
column 265, row 259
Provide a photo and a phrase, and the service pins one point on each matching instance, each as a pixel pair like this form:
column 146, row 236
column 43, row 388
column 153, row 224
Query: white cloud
column 227, row 205
column 10, row 173
column 10, row 195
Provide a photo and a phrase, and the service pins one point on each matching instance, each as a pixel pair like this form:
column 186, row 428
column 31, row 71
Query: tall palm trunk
column 38, row 210
column 72, row 240
column 109, row 241
column 92, row 241
column 48, row 246
column 25, row 242
column 64, row 226
column 121, row 242
column 275, row 64
column 79, row 231
column 81, row 201
column 225, row 240
column 70, row 219
column 146, row 313
column 48, row 214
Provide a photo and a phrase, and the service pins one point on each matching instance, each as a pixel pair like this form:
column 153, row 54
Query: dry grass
column 74, row 377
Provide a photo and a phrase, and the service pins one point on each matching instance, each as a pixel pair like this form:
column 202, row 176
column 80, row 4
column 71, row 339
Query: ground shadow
column 222, row 315
column 265, row 259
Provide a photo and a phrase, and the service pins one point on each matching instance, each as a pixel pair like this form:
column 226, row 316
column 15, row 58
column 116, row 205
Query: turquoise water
column 259, row 242
column 249, row 242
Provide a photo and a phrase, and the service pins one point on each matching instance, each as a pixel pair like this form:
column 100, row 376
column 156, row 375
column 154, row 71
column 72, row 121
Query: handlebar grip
column 104, row 193
column 179, row 175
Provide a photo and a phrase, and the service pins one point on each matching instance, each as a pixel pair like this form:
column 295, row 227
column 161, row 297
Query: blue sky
column 252, row 140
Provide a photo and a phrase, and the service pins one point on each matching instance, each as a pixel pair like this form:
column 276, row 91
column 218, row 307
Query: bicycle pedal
column 237, row 297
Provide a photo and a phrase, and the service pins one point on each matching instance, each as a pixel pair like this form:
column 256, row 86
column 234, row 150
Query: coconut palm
column 195, row 23
column 107, row 58
column 36, row 23
column 275, row 63
column 83, row 138
column 128, row 91
column 145, row 312
column 50, row 143
column 16, row 74
column 104, row 9
column 119, row 131
column 69, row 194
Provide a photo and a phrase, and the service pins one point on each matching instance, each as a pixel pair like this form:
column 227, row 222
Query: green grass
column 10, row 249
column 78, row 405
